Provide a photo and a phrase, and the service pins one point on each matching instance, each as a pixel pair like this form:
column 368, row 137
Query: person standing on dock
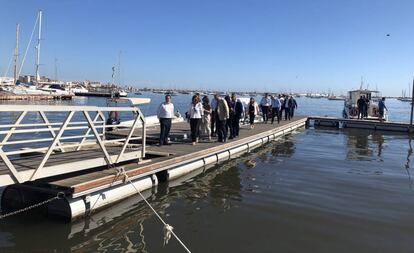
column 222, row 116
column 366, row 107
column 265, row 104
column 196, row 112
column 361, row 106
column 282, row 105
column 165, row 113
column 253, row 111
column 213, row 117
column 275, row 108
column 238, row 114
column 292, row 106
column 205, row 125
column 382, row 107
column 229, row 121
column 286, row 107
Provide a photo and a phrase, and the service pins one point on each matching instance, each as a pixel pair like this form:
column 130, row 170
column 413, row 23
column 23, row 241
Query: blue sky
column 258, row 45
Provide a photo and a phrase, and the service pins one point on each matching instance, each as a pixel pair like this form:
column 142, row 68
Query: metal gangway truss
column 39, row 141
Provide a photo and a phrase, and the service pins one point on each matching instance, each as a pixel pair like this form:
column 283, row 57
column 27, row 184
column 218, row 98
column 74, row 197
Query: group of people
column 363, row 105
column 226, row 115
column 221, row 117
column 273, row 107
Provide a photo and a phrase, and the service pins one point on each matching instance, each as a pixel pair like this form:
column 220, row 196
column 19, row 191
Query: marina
column 45, row 172
column 147, row 126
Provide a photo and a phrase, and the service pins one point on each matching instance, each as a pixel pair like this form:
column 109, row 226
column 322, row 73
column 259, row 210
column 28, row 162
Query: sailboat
column 403, row 98
column 120, row 92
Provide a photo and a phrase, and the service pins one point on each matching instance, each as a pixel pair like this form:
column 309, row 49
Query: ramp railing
column 63, row 139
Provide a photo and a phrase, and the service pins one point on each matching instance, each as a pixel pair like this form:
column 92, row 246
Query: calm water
column 317, row 190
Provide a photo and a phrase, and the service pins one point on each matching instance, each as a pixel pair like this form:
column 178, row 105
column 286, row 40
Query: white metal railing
column 84, row 126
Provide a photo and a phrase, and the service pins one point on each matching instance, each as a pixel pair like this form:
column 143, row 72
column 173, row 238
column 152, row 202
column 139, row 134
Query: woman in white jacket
column 196, row 112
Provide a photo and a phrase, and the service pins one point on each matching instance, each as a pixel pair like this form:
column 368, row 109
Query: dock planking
column 179, row 152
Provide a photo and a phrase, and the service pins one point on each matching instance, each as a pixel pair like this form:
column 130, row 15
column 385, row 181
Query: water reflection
column 284, row 147
column 301, row 197
column 361, row 145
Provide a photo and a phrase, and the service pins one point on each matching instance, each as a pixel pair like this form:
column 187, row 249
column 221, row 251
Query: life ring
column 375, row 111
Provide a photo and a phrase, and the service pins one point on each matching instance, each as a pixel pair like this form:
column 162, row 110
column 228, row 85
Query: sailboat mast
column 38, row 48
column 16, row 54
column 119, row 68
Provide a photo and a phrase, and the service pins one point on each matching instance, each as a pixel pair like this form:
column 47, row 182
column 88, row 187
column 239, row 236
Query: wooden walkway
column 163, row 157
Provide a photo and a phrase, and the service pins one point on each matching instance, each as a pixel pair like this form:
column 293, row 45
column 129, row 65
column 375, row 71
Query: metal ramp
column 39, row 141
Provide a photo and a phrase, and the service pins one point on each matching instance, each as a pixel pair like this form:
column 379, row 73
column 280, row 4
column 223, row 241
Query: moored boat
column 351, row 110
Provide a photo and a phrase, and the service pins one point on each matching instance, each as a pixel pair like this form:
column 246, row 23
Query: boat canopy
column 354, row 95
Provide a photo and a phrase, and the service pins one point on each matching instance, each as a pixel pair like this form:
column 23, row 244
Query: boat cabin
column 351, row 103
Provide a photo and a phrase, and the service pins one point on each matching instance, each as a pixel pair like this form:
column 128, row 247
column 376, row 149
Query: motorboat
column 122, row 93
column 351, row 111
column 56, row 89
column 24, row 89
column 79, row 90
column 333, row 97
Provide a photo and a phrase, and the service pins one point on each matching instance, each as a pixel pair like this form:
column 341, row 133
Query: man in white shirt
column 165, row 113
column 275, row 108
column 265, row 103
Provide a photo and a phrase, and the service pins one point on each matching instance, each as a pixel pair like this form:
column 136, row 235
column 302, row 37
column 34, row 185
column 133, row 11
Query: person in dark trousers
column 275, row 108
column 366, row 107
column 213, row 118
column 229, row 121
column 165, row 113
column 361, row 104
column 196, row 112
column 238, row 114
column 286, row 108
column 382, row 107
column 293, row 106
column 265, row 103
column 253, row 110
column 282, row 105
column 222, row 116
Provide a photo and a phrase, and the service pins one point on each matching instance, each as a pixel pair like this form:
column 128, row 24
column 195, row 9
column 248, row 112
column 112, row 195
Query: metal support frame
column 96, row 128
column 52, row 146
column 98, row 139
column 52, row 132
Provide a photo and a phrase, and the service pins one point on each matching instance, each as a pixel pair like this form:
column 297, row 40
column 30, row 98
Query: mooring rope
column 168, row 230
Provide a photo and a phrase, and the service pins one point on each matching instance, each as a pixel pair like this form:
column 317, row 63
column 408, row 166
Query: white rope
column 28, row 45
column 168, row 230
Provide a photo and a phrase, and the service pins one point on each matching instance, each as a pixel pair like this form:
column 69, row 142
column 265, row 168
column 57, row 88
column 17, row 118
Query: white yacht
column 56, row 89
column 350, row 110
column 24, row 89
column 122, row 93
column 79, row 90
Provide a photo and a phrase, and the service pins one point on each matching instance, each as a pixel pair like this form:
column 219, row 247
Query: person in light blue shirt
column 382, row 107
column 275, row 108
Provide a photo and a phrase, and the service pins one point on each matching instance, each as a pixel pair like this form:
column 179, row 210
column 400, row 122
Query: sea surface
column 316, row 190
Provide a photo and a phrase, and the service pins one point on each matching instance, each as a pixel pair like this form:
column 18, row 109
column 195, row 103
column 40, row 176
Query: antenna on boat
column 362, row 82
column 38, row 48
column 16, row 54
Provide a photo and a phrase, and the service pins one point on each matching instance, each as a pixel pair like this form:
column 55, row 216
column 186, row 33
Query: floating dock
column 15, row 97
column 86, row 182
column 91, row 165
column 359, row 124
